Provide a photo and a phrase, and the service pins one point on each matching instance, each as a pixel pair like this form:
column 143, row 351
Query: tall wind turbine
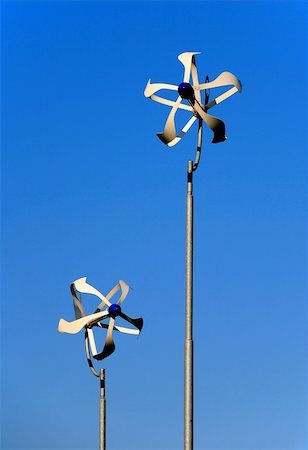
column 189, row 99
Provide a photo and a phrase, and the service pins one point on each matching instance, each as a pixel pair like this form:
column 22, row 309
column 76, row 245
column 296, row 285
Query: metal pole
column 188, row 357
column 102, row 412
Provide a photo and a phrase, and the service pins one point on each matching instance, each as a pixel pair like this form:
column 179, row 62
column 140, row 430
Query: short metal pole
column 102, row 412
column 188, row 357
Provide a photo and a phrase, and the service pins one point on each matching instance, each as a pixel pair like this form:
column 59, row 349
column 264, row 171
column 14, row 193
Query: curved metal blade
column 91, row 340
column 82, row 286
column 109, row 346
column 110, row 294
column 125, row 290
column 126, row 330
column 118, row 328
column 194, row 76
column 169, row 132
column 186, row 59
column 171, row 103
column 88, row 353
column 78, row 308
column 76, row 325
column 224, row 79
column 120, row 285
column 182, row 132
column 216, row 125
column 113, row 291
column 151, row 88
column 138, row 323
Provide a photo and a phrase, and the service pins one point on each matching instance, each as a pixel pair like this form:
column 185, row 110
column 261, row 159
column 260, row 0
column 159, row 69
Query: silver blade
column 138, row 323
column 78, row 308
column 186, row 60
column 109, row 346
column 151, row 88
column 169, row 132
column 195, row 79
column 76, row 325
column 184, row 130
column 82, row 286
column 224, row 79
column 88, row 353
column 216, row 125
column 125, row 290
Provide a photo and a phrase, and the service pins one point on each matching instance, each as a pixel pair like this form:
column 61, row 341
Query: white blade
column 76, row 325
column 78, row 308
column 88, row 353
column 113, row 291
column 109, row 340
column 216, row 125
column 126, row 330
column 151, row 88
column 109, row 346
column 125, row 290
column 224, row 79
column 182, row 132
column 92, row 341
column 167, row 102
column 82, row 286
column 121, row 329
column 169, row 132
column 186, row 60
column 121, row 285
column 195, row 79
column 221, row 98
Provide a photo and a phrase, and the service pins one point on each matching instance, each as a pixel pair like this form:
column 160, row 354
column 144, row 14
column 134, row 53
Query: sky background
column 89, row 190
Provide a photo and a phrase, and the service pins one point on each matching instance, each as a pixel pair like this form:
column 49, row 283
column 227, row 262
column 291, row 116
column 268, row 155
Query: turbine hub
column 114, row 310
column 186, row 91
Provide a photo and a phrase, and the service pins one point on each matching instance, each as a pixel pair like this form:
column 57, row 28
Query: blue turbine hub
column 186, row 91
column 114, row 310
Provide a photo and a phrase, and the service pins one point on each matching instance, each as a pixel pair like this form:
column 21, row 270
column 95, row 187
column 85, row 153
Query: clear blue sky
column 89, row 190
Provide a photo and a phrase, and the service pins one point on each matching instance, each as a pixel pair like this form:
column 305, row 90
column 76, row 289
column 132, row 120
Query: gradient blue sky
column 89, row 190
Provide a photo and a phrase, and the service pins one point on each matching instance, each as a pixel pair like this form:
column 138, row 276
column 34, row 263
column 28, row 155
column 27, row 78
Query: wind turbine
column 189, row 99
column 96, row 320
